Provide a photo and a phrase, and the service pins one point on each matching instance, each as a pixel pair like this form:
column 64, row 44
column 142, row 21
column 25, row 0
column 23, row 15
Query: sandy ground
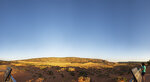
column 34, row 74
column 68, row 70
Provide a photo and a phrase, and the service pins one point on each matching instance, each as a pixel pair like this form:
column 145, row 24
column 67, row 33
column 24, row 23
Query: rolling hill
column 67, row 60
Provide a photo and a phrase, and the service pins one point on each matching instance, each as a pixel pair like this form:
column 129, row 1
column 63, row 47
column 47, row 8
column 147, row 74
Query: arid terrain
column 70, row 69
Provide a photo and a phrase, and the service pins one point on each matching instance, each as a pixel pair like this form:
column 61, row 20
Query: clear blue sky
column 115, row 30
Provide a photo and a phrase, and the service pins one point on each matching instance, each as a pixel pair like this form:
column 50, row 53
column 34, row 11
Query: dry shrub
column 40, row 75
column 121, row 79
column 72, row 73
column 31, row 80
column 83, row 73
column 73, row 80
column 62, row 75
column 62, row 69
column 50, row 72
column 84, row 79
column 71, row 69
column 40, row 80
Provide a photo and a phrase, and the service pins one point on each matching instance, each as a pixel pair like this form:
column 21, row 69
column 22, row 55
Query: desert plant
column 83, row 73
column 39, row 74
column 33, row 75
column 120, row 79
column 50, row 72
column 84, row 79
column 54, row 77
column 72, row 73
column 62, row 75
column 71, row 69
column 62, row 69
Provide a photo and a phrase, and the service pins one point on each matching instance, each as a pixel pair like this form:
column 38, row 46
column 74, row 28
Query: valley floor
column 32, row 73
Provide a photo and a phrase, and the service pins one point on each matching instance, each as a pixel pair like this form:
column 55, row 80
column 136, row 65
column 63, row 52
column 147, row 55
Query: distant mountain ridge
column 66, row 60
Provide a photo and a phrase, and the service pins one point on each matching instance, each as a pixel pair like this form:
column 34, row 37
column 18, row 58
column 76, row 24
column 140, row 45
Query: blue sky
column 115, row 30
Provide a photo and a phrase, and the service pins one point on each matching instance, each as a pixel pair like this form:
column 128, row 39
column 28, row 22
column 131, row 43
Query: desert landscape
column 68, row 69
column 74, row 40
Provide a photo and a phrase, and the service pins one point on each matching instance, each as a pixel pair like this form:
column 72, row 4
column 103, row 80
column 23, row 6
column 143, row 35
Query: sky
column 114, row 30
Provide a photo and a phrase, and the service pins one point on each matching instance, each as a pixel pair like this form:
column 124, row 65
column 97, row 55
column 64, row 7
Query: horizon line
column 6, row 59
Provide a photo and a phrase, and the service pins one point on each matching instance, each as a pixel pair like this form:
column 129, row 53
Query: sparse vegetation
column 62, row 69
column 39, row 74
column 62, row 75
column 83, row 73
column 67, row 59
column 71, row 69
column 54, row 77
column 121, row 79
column 50, row 72
column 84, row 79
column 72, row 73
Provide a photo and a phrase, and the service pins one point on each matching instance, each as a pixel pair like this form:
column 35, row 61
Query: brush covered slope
column 68, row 69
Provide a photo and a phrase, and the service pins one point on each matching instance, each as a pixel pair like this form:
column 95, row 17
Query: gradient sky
column 115, row 30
